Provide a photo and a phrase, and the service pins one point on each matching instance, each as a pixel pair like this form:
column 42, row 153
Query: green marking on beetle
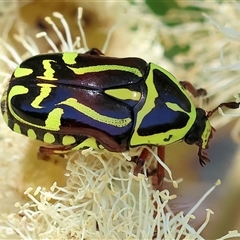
column 48, row 138
column 147, row 107
column 49, row 72
column 102, row 68
column 22, row 72
column 87, row 143
column 72, row 102
column 70, row 58
column 124, row 94
column 68, row 140
column 15, row 91
column 31, row 133
column 16, row 128
column 176, row 108
column 53, row 119
column 5, row 117
column 44, row 92
column 206, row 134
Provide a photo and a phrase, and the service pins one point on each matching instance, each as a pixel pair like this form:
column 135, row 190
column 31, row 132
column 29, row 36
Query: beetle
column 73, row 101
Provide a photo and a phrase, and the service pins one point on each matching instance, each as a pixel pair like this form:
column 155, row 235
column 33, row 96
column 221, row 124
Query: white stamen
column 203, row 198
column 25, row 44
column 82, row 33
column 12, row 51
column 59, row 34
column 66, row 29
column 49, row 40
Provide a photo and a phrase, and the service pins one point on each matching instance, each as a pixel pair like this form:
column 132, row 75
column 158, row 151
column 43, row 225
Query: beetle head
column 200, row 133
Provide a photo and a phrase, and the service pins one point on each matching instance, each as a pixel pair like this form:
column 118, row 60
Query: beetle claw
column 202, row 156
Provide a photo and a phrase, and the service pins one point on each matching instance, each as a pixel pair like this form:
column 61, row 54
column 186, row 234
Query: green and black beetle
column 74, row 101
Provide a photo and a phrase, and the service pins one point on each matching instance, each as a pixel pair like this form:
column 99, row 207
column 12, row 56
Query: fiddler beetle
column 73, row 101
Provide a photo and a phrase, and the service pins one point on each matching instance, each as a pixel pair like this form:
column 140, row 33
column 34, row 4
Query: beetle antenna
column 231, row 105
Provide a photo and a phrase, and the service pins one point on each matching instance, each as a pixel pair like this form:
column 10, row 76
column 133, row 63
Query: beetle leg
column 160, row 169
column 158, row 172
column 140, row 161
column 195, row 92
column 55, row 149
